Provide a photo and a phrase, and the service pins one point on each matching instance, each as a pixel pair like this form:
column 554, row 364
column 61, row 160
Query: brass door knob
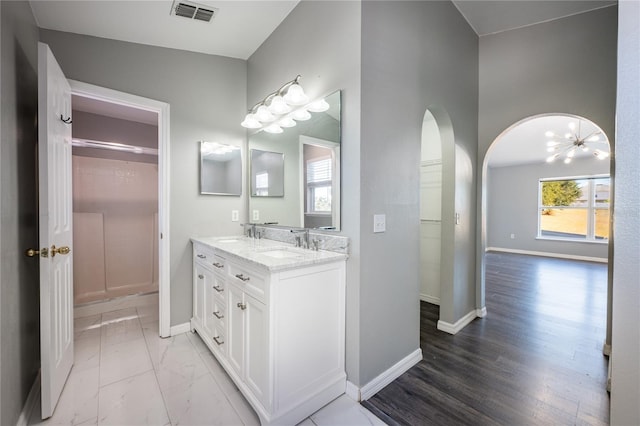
column 33, row 253
column 59, row 250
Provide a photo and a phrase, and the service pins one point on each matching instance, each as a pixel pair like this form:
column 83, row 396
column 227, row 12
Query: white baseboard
column 30, row 403
column 459, row 325
column 430, row 299
column 388, row 376
column 481, row 313
column 180, row 328
column 100, row 307
column 548, row 254
column 352, row 391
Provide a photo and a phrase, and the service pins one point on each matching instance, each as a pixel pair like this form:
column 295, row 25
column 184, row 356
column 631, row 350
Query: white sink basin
column 281, row 254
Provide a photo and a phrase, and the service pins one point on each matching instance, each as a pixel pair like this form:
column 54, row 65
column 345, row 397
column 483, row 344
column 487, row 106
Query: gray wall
column 108, row 129
column 415, row 55
column 19, row 293
column 512, row 206
column 625, row 375
column 321, row 42
column 562, row 66
column 207, row 102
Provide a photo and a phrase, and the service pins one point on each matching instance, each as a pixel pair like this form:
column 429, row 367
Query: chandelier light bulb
column 567, row 135
column 552, row 158
column 572, row 126
column 600, row 155
column 594, row 138
column 552, row 143
column 318, row 106
column 567, row 160
column 549, row 134
column 250, row 122
column 551, row 149
column 278, row 106
column 585, row 148
column 295, row 95
column 571, row 152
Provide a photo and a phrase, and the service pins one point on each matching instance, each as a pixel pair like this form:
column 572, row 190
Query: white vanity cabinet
column 282, row 335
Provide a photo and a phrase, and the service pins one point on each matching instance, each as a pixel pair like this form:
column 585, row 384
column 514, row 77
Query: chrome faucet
column 300, row 240
column 250, row 229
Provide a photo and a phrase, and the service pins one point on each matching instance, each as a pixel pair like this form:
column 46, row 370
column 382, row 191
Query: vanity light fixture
column 283, row 108
column 568, row 144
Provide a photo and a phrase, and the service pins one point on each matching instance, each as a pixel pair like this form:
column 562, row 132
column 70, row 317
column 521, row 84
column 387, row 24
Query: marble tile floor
column 124, row 374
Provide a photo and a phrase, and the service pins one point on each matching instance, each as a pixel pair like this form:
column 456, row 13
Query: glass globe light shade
column 273, row 128
column 300, row 115
column 318, row 106
column 295, row 95
column 287, row 122
column 263, row 114
column 278, row 106
column 250, row 122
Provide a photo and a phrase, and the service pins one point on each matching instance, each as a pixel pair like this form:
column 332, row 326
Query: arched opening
column 546, row 191
column 437, row 207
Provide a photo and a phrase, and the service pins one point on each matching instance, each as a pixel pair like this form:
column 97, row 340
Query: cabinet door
column 235, row 324
column 199, row 283
column 256, row 347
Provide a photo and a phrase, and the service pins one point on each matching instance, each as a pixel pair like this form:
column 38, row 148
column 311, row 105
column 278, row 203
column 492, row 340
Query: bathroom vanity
column 274, row 317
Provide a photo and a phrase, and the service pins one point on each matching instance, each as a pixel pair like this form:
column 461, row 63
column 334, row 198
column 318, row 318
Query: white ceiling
column 526, row 142
column 241, row 26
column 489, row 17
column 237, row 30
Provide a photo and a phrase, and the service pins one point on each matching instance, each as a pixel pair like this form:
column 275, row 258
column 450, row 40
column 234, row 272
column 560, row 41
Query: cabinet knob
column 218, row 340
column 202, row 256
column 242, row 306
column 218, row 315
column 218, row 288
column 242, row 277
column 218, row 265
column 201, row 276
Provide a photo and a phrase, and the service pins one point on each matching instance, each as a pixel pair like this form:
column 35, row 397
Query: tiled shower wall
column 115, row 221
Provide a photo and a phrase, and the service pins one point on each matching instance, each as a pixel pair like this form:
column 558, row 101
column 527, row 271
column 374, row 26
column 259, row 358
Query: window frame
column 591, row 209
column 312, row 186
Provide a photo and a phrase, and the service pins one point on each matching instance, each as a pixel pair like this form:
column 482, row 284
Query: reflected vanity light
column 215, row 148
column 283, row 108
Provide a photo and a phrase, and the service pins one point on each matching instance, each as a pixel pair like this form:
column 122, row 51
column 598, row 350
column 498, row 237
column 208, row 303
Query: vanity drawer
column 219, row 341
column 202, row 254
column 248, row 280
column 218, row 285
column 219, row 263
column 218, row 310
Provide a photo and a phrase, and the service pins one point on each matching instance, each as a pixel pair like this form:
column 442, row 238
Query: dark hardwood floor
column 536, row 358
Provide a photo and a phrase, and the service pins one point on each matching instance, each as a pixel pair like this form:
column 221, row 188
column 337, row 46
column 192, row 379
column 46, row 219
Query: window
column 319, row 186
column 262, row 184
column 574, row 209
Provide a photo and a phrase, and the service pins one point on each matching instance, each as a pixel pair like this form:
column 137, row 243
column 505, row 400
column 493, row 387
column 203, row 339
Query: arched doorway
column 523, row 162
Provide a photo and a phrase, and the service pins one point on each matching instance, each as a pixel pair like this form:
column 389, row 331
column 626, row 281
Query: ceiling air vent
column 193, row 11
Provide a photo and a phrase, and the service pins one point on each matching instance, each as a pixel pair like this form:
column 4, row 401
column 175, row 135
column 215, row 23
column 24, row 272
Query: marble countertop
column 270, row 254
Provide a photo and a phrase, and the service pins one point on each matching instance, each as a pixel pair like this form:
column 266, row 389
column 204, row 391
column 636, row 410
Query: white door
column 55, row 211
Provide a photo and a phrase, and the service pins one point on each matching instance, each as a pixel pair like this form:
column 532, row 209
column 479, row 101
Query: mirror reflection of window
column 262, row 184
column 267, row 173
column 319, row 185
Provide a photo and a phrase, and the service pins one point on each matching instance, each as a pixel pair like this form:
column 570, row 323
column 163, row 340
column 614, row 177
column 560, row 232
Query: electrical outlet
column 235, row 215
column 379, row 223
column 256, row 215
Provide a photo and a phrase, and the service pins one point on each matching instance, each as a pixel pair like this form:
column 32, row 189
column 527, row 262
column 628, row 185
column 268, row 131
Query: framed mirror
column 311, row 172
column 267, row 173
column 220, row 169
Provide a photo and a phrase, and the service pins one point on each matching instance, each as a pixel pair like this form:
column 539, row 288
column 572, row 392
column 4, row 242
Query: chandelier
column 572, row 142
column 283, row 108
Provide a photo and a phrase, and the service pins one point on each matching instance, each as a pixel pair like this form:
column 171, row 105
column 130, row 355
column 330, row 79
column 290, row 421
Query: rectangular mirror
column 267, row 173
column 220, row 169
column 311, row 162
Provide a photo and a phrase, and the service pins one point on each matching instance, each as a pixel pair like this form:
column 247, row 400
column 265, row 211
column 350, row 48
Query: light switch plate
column 379, row 223
column 235, row 215
column 256, row 215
